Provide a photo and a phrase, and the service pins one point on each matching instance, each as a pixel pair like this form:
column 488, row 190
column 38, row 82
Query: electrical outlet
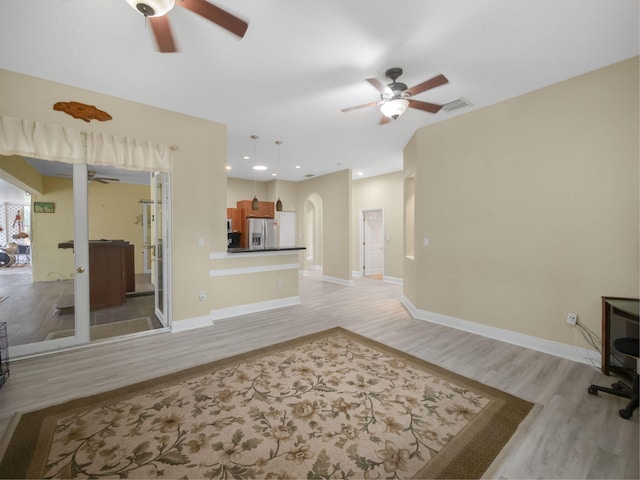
column 572, row 318
column 201, row 295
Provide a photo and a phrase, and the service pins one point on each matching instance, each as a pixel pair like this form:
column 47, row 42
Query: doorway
column 44, row 304
column 372, row 244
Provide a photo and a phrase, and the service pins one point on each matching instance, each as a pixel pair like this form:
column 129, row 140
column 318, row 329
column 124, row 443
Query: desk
column 111, row 271
column 619, row 319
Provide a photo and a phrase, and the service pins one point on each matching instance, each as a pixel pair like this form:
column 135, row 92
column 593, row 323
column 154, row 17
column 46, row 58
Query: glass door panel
column 46, row 299
column 159, row 229
column 122, row 291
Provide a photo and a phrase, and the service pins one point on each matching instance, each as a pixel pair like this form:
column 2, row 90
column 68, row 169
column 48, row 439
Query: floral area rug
column 328, row 405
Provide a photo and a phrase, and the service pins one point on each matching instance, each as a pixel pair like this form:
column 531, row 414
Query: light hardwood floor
column 30, row 307
column 575, row 435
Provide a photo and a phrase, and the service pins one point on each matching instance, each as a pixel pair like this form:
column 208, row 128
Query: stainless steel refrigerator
column 262, row 233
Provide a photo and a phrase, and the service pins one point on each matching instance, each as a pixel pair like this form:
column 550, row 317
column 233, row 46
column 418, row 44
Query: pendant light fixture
column 254, row 204
column 278, row 203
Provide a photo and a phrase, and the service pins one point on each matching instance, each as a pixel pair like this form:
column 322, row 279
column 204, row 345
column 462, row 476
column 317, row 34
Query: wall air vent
column 455, row 105
column 309, row 175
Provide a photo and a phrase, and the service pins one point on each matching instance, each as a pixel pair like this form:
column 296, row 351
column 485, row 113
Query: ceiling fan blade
column 384, row 120
column 216, row 15
column 162, row 31
column 107, row 179
column 372, row 104
column 377, row 84
column 427, row 107
column 431, row 83
column 99, row 180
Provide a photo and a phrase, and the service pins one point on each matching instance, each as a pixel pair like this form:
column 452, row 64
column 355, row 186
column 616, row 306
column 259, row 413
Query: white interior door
column 373, row 242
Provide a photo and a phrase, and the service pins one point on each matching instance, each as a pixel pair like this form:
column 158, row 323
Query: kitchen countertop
column 261, row 250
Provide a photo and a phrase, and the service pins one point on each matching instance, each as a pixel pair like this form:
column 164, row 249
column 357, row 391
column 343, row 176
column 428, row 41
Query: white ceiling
column 301, row 61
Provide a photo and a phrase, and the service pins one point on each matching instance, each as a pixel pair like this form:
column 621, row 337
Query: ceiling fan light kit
column 152, row 8
column 156, row 13
column 394, row 108
column 394, row 97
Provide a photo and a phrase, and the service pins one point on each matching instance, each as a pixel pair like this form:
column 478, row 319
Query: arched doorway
column 313, row 217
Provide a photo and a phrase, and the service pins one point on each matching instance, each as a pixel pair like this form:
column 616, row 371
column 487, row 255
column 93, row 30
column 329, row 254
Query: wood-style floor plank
column 575, row 435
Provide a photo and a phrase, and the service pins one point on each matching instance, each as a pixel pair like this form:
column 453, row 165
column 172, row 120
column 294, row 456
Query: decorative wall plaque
column 82, row 111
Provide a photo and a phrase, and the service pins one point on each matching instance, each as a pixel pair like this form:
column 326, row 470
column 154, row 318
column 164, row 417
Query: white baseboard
column 396, row 280
column 237, row 310
column 340, row 281
column 190, row 323
column 570, row 352
column 385, row 278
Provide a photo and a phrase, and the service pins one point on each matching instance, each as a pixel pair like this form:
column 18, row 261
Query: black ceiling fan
column 156, row 11
column 395, row 96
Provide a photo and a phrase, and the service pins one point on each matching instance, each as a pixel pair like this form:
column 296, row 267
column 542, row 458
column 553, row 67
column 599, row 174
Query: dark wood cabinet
column 111, row 272
column 265, row 209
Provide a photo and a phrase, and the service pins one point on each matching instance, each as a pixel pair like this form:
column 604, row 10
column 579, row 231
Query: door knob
column 80, row 269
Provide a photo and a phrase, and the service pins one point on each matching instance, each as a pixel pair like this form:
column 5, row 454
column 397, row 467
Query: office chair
column 629, row 347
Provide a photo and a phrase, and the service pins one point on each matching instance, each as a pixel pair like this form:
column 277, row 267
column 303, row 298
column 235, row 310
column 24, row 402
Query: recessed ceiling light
column 297, row 166
column 246, row 157
column 274, row 174
column 228, row 167
column 359, row 173
column 259, row 167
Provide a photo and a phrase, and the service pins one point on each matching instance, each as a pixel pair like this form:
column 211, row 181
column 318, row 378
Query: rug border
column 17, row 440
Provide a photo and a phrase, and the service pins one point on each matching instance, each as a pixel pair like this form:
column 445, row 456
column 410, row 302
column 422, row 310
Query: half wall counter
column 249, row 281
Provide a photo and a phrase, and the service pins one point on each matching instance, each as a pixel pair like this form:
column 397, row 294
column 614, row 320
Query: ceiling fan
column 92, row 176
column 395, row 97
column 156, row 10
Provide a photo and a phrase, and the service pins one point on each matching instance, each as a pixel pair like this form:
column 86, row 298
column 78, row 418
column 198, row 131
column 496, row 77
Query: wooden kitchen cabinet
column 235, row 214
column 265, row 209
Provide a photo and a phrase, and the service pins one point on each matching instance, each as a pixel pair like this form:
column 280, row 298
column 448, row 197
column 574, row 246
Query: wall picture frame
column 44, row 207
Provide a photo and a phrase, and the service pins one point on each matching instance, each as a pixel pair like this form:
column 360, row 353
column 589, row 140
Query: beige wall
column 286, row 191
column 334, row 191
column 113, row 209
column 198, row 166
column 381, row 192
column 17, row 171
column 238, row 189
column 531, row 207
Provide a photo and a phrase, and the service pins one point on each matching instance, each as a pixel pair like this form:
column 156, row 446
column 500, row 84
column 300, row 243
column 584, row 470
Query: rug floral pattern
column 330, row 408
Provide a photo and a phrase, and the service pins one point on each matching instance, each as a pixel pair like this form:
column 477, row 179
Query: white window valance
column 40, row 140
column 128, row 153
column 45, row 141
